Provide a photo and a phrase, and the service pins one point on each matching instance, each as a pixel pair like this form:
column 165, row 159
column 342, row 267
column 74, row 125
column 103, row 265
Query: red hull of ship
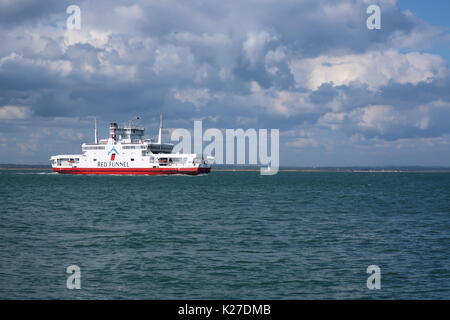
column 134, row 171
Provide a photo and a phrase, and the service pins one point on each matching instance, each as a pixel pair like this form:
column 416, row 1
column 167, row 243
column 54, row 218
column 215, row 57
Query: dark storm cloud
column 409, row 95
column 25, row 12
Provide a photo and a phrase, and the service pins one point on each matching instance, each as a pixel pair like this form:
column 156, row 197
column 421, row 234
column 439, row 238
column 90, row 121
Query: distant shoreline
column 325, row 169
column 24, row 168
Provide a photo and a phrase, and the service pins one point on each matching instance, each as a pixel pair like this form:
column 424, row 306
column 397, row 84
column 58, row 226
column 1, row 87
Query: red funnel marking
column 113, row 156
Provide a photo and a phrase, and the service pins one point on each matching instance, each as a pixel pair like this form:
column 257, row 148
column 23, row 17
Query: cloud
column 289, row 65
column 374, row 69
column 20, row 12
column 198, row 97
column 13, row 112
column 388, row 123
column 254, row 45
column 133, row 12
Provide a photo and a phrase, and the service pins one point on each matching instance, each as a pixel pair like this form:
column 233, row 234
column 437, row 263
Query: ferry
column 126, row 152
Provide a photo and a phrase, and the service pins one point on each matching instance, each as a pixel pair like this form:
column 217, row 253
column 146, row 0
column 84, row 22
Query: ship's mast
column 95, row 131
column 160, row 129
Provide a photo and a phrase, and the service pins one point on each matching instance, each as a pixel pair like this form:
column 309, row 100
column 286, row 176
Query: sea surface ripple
column 227, row 235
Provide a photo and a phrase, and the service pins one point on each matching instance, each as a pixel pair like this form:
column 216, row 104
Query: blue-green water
column 236, row 235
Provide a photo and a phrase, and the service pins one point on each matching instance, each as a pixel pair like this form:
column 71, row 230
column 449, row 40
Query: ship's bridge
column 127, row 134
column 134, row 135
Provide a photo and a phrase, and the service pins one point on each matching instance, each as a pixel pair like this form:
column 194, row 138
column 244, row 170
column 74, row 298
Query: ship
column 128, row 152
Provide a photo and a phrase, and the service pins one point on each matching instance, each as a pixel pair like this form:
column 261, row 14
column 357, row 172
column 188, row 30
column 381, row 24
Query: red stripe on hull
column 141, row 171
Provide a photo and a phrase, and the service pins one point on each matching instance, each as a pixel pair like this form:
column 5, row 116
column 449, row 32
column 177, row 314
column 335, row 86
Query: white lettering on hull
column 112, row 164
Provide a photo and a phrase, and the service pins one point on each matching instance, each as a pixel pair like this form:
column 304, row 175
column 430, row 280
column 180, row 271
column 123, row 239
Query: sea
column 226, row 235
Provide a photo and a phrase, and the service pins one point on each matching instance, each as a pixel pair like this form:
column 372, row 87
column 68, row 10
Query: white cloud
column 60, row 66
column 303, row 143
column 95, row 38
column 332, row 120
column 172, row 59
column 205, row 39
column 133, row 12
column 254, row 45
column 273, row 58
column 198, row 97
column 277, row 102
column 375, row 117
column 10, row 57
column 390, row 122
column 374, row 69
column 13, row 112
column 372, row 118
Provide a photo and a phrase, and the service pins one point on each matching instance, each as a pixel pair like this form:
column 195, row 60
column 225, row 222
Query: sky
column 340, row 94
